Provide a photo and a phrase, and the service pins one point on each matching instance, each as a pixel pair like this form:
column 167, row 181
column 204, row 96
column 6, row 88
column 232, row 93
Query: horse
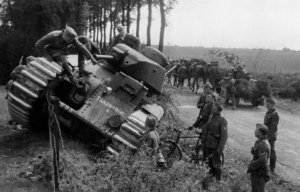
column 182, row 74
column 199, row 71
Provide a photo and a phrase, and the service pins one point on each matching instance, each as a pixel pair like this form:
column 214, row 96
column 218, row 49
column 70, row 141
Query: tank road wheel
column 25, row 92
column 171, row 152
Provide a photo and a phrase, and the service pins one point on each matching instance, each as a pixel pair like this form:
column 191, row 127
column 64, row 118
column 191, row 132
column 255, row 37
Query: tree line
column 23, row 22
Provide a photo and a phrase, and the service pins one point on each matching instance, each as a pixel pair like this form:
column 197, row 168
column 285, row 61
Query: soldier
column 201, row 102
column 271, row 120
column 215, row 136
column 230, row 91
column 54, row 46
column 92, row 48
column 258, row 168
column 125, row 38
column 206, row 113
column 152, row 140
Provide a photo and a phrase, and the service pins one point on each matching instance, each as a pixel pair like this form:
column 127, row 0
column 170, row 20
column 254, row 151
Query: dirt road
column 241, row 126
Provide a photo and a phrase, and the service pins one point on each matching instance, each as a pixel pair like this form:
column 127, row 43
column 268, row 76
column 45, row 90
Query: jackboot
column 218, row 174
column 272, row 165
column 72, row 79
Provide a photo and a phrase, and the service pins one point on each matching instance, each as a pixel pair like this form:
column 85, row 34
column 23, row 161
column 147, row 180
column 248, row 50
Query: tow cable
column 55, row 136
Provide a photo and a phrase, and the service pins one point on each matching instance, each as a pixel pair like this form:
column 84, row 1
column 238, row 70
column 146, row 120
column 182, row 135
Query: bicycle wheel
column 171, row 152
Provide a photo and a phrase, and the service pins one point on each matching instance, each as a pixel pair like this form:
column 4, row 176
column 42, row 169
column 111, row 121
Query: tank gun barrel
column 170, row 70
column 107, row 57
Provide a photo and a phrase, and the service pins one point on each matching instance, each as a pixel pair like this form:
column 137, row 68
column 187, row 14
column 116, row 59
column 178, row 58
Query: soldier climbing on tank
column 92, row 48
column 230, row 91
column 126, row 39
column 54, row 46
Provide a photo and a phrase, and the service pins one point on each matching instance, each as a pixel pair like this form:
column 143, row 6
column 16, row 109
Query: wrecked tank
column 101, row 108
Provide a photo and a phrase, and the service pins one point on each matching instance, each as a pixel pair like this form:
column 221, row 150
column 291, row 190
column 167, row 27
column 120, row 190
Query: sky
column 268, row 24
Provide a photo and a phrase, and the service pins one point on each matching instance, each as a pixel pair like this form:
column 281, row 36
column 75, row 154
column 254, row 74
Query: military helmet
column 70, row 32
column 120, row 28
column 151, row 121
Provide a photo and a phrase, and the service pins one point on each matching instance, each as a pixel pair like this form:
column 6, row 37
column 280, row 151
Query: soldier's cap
column 219, row 106
column 208, row 85
column 70, row 32
column 151, row 121
column 120, row 28
column 263, row 129
column 271, row 100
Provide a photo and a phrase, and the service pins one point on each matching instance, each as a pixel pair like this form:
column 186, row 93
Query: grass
column 289, row 105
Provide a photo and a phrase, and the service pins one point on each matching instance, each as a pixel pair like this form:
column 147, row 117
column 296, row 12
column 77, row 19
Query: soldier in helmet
column 54, row 46
column 258, row 168
column 201, row 102
column 152, row 140
column 125, row 38
column 271, row 120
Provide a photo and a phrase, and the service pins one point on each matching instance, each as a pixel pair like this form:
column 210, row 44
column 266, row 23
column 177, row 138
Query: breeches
column 213, row 158
column 62, row 59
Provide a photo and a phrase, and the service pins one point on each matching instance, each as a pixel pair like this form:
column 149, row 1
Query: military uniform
column 271, row 120
column 258, row 168
column 204, row 115
column 214, row 140
column 54, row 47
column 127, row 39
column 91, row 47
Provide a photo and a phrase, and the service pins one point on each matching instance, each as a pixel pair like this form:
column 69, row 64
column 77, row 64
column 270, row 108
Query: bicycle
column 172, row 149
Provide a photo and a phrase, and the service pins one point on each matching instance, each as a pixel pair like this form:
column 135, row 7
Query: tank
column 103, row 108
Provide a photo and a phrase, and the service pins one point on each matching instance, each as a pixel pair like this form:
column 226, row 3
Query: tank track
column 27, row 88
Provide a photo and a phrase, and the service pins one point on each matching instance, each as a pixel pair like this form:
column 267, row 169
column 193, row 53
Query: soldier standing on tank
column 54, row 46
column 230, row 91
column 258, row 168
column 215, row 136
column 126, row 39
column 271, row 120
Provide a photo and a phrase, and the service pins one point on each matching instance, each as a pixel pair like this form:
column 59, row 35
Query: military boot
column 218, row 174
column 72, row 79
column 83, row 72
column 272, row 165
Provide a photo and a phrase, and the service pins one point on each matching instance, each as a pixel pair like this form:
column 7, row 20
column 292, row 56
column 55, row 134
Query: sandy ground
column 241, row 126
